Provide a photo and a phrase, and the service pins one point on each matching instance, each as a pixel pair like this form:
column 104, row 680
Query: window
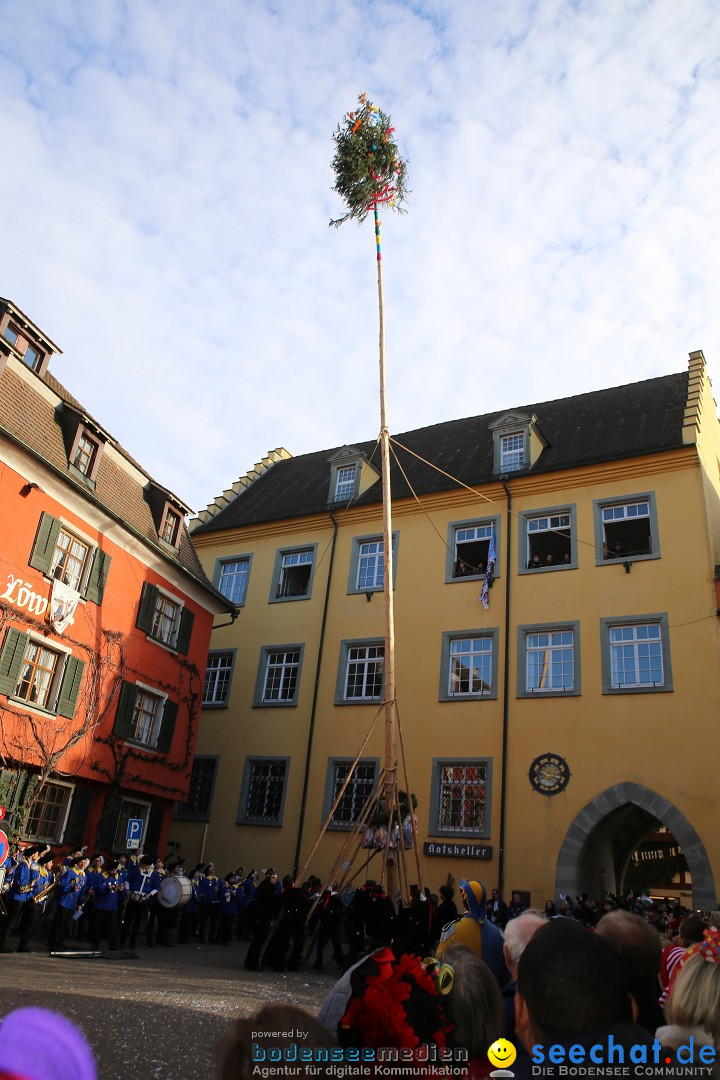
column 361, row 672
column 33, row 358
column 512, row 452
column 468, row 667
column 460, row 798
column 61, row 552
column 218, row 676
column 468, row 547
column 367, row 571
column 345, row 483
column 48, row 814
column 70, row 560
column 42, row 675
column 145, row 716
column 626, row 529
column 636, row 655
column 278, row 680
column 549, row 660
column 349, row 470
column 84, row 456
column 262, row 796
column 170, row 527
column 164, row 618
column 200, row 792
column 356, row 794
column 292, row 575
column 548, row 539
column 231, row 578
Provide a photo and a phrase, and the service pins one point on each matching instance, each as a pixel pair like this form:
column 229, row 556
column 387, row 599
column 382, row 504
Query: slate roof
column 605, row 425
column 34, row 421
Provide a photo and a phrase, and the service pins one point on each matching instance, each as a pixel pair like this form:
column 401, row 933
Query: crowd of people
column 443, row 977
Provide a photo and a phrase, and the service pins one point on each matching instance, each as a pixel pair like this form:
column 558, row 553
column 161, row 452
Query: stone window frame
column 573, row 625
column 491, row 632
column 251, row 760
column 658, row 618
column 434, row 828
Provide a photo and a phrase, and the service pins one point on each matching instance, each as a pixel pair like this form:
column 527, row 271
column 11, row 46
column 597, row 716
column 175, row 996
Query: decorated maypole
column 369, row 174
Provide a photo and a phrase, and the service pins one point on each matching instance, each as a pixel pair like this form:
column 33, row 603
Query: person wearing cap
column 208, row 903
column 20, row 893
column 265, row 905
column 138, row 881
column 475, row 931
column 33, row 911
column 156, row 880
column 93, row 877
column 106, row 888
column 70, row 894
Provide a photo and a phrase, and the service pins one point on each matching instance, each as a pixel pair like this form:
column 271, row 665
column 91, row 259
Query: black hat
column 46, row 858
column 270, row 872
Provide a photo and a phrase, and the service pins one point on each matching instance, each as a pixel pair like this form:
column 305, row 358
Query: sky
column 166, row 190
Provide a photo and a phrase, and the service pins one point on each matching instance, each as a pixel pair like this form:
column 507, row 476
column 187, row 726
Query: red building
column 105, row 619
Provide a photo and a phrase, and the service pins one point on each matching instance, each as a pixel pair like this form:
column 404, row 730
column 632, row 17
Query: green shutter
column 123, row 725
column 146, row 610
column 167, row 727
column 77, row 818
column 70, row 686
column 98, row 577
column 109, row 820
column 11, row 659
column 45, row 541
column 184, row 631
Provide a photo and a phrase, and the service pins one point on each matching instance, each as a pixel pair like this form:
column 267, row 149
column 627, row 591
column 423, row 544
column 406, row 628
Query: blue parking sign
column 134, row 833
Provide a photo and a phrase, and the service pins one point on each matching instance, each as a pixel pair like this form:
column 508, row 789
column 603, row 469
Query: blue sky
column 166, row 189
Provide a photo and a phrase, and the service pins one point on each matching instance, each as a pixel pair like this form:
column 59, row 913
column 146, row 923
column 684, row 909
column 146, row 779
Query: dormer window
column 31, row 356
column 84, row 446
column 85, row 455
column 345, row 483
column 517, row 442
column 351, row 474
column 170, row 528
column 512, row 452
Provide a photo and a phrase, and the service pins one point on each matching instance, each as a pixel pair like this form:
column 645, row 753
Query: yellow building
column 545, row 735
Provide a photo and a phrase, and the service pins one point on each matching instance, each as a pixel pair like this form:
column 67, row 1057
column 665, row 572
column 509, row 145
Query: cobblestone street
column 162, row 1014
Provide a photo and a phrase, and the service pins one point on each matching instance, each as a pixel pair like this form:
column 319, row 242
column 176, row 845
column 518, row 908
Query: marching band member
column 139, row 876
column 19, row 894
column 156, row 879
column 70, row 897
column 106, row 885
column 43, row 884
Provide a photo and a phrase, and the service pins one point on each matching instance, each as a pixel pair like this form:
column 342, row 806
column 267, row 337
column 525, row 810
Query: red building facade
column 105, row 619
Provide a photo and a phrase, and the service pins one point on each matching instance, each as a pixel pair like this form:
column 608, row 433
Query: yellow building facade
column 546, row 733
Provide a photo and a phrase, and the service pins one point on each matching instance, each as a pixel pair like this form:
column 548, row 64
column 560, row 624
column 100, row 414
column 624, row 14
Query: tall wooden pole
column 390, row 748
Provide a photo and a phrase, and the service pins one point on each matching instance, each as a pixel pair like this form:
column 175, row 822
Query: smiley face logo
column 502, row 1053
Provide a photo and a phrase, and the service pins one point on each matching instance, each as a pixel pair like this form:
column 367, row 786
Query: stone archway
column 568, row 875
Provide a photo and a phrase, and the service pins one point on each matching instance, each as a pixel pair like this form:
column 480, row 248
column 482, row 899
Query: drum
column 175, row 892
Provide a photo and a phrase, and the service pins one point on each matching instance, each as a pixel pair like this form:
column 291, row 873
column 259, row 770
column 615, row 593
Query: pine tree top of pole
column 369, row 171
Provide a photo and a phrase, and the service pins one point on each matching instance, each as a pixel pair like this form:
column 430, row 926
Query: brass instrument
column 44, row 892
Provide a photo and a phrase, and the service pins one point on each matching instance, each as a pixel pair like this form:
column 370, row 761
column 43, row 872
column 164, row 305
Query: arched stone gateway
column 607, row 830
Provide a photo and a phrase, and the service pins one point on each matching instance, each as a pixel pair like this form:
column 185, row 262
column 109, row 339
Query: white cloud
column 167, row 193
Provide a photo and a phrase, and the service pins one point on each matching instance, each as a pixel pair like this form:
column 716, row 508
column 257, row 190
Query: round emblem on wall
column 549, row 774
